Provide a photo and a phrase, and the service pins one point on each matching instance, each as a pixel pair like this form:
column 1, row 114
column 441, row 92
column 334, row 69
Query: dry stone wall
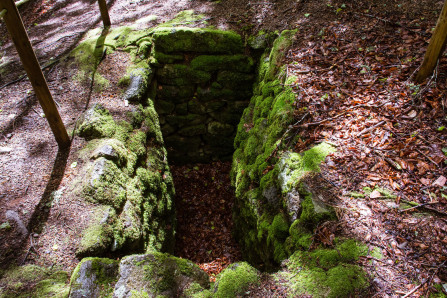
column 203, row 82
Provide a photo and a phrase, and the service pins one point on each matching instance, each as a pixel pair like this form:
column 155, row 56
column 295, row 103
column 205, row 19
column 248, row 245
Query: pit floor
column 204, row 203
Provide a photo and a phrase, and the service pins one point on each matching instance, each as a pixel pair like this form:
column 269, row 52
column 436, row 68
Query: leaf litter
column 354, row 89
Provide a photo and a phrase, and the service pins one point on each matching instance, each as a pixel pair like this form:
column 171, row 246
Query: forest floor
column 355, row 62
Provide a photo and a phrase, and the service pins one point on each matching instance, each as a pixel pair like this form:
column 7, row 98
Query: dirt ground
column 333, row 40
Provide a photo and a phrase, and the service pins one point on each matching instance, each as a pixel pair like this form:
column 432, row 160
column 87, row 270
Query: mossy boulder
column 184, row 39
column 326, row 272
column 94, row 277
column 139, row 80
column 33, row 281
column 235, row 280
column 97, row 238
column 105, row 183
column 158, row 274
column 96, row 122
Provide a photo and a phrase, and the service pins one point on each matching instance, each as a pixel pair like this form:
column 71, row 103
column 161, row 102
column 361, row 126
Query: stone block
column 183, row 39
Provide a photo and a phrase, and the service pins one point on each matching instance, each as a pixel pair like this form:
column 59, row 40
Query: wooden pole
column 435, row 47
column 21, row 41
column 104, row 13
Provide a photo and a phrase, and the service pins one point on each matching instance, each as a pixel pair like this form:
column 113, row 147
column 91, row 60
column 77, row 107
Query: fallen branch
column 370, row 128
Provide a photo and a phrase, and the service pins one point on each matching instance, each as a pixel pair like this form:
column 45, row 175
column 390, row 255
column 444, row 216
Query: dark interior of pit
column 200, row 100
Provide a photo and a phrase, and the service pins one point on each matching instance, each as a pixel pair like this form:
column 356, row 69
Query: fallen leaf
column 375, row 194
column 425, row 181
column 440, row 181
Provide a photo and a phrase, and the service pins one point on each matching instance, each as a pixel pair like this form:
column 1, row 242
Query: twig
column 418, row 206
column 324, row 120
column 371, row 128
column 29, row 249
column 427, row 157
column 415, row 289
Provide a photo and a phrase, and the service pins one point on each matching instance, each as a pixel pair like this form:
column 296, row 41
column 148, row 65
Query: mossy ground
column 33, row 281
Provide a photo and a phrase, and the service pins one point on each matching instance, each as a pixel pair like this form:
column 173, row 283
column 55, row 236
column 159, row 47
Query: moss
column 235, row 80
column 211, row 63
column 327, row 272
column 95, row 276
column 183, row 39
column 97, row 237
column 150, row 180
column 33, row 281
column 137, row 143
column 106, row 184
column 439, row 293
column 96, row 122
column 294, row 167
column 180, row 75
column 195, row 290
column 235, row 280
column 163, row 274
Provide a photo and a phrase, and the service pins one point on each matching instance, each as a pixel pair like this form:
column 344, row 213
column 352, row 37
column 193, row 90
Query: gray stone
column 194, row 130
column 113, row 150
column 96, row 122
column 164, row 107
column 220, row 129
column 139, row 82
column 181, row 75
column 14, row 216
column 97, row 238
column 293, row 204
column 92, row 278
column 130, row 232
column 105, row 183
column 175, row 94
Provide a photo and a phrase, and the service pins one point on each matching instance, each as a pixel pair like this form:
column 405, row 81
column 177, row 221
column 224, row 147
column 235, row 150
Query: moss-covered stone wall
column 202, row 82
column 126, row 179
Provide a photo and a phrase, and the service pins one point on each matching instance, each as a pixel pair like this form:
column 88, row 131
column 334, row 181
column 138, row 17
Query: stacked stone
column 203, row 83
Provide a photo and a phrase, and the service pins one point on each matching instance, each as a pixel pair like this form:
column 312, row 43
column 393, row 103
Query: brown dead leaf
column 425, row 181
column 440, row 181
column 375, row 194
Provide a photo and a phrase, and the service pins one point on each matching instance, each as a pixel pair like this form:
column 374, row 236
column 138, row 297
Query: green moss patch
column 235, row 280
column 326, row 272
column 33, row 281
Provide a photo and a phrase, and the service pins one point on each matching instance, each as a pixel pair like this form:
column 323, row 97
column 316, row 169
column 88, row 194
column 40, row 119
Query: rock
column 164, row 107
column 113, row 150
column 181, row 75
column 130, row 231
column 97, row 237
column 235, row 280
column 157, row 274
column 96, row 122
column 139, row 82
column 235, row 80
column 183, row 144
column 211, row 63
column 195, row 107
column 92, row 278
column 175, row 94
column 293, row 204
column 183, row 39
column 194, row 130
column 220, row 129
column 105, row 183
column 14, row 216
